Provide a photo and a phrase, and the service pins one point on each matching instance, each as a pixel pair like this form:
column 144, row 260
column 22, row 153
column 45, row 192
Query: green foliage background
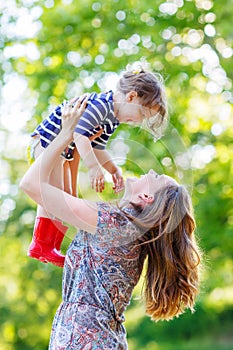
column 77, row 44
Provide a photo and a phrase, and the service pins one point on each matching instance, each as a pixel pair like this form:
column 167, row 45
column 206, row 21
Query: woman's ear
column 147, row 198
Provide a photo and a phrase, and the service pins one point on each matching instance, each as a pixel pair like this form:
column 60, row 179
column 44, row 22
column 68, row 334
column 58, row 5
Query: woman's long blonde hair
column 173, row 255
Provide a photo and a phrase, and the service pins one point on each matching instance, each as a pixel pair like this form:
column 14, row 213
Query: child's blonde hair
column 150, row 89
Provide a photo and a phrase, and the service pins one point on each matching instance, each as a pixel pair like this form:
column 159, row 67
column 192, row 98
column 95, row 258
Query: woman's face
column 148, row 184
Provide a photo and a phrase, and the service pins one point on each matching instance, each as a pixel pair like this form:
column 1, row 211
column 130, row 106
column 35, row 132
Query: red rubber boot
column 46, row 241
column 59, row 236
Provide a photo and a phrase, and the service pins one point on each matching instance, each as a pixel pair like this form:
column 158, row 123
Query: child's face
column 131, row 111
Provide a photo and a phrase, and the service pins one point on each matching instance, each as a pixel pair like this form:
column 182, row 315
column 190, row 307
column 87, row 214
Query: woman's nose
column 152, row 172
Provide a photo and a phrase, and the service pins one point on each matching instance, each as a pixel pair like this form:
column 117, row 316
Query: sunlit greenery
column 53, row 49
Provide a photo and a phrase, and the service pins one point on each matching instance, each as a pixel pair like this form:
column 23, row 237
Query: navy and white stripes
column 98, row 113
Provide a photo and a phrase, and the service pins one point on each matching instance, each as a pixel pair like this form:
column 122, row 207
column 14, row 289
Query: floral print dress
column 99, row 275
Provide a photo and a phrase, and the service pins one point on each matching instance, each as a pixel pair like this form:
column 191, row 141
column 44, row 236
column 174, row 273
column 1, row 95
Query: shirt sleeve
column 114, row 228
column 50, row 127
column 92, row 117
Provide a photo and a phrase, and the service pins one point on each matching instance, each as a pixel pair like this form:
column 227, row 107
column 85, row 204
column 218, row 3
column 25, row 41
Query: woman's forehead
column 163, row 179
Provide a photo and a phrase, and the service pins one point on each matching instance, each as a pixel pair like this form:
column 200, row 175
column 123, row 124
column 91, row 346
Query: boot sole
column 41, row 258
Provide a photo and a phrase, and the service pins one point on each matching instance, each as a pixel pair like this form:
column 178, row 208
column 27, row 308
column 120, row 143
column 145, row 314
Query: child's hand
column 97, row 179
column 118, row 181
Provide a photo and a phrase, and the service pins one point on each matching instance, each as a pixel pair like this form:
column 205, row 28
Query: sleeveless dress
column 99, row 276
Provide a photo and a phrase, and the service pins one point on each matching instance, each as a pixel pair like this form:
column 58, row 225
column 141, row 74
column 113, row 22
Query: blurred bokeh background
column 56, row 49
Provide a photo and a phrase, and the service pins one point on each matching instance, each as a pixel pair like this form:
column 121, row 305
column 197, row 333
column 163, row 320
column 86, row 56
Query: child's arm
column 105, row 160
column 86, row 152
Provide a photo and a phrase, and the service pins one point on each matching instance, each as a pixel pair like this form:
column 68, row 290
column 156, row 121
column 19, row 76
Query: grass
column 194, row 344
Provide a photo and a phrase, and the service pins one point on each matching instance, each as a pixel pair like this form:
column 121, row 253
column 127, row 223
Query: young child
column 139, row 99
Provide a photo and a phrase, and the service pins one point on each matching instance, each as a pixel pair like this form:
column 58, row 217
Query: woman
column 154, row 224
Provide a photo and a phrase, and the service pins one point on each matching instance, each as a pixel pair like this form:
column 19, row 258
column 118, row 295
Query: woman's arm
column 77, row 212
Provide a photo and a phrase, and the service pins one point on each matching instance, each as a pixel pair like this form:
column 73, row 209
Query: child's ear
column 130, row 96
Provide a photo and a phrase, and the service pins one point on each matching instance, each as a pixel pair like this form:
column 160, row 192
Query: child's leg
column 48, row 232
column 71, row 166
column 70, row 174
column 56, row 178
column 67, row 177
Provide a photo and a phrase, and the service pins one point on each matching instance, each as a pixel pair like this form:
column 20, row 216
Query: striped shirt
column 98, row 113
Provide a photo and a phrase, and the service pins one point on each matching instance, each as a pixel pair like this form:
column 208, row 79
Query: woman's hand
column 72, row 112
